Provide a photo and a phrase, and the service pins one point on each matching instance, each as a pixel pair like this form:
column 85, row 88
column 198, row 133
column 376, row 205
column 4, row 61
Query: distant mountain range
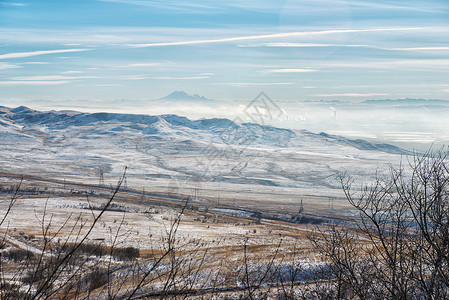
column 218, row 130
column 408, row 101
column 183, row 96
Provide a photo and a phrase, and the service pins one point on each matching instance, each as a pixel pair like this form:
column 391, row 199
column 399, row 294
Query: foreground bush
column 401, row 247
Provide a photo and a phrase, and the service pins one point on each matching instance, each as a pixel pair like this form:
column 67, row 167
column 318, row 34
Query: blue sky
column 293, row 50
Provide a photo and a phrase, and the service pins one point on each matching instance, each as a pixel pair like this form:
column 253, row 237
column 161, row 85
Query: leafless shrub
column 56, row 266
column 401, row 247
column 96, row 279
column 128, row 253
column 11, row 291
column 18, row 255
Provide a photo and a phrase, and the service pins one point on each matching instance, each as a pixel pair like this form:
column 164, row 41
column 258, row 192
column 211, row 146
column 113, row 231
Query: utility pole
column 301, row 207
column 100, row 173
column 125, row 183
column 196, row 193
column 331, row 203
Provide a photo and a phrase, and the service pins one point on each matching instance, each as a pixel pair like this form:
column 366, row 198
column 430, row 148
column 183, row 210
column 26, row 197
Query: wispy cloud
column 35, row 63
column 422, row 48
column 295, row 7
column 386, row 64
column 18, row 4
column 350, row 95
column 35, row 53
column 243, row 84
column 272, row 36
column 139, row 65
column 18, row 82
column 289, row 71
column 313, row 45
column 412, row 6
column 183, row 6
column 72, row 72
column 134, row 77
column 180, row 78
column 67, row 57
column 43, row 80
column 154, row 36
column 290, row 7
column 101, row 85
column 4, row 66
column 304, row 45
column 51, row 77
column 391, row 85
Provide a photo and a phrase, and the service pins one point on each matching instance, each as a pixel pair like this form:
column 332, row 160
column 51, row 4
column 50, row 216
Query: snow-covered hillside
column 173, row 152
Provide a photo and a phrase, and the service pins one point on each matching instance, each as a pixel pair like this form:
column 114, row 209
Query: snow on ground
column 217, row 158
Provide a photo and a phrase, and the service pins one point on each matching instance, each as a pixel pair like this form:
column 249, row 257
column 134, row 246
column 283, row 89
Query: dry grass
column 209, row 240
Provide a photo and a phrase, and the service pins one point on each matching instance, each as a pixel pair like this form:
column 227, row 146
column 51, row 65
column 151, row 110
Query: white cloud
column 4, row 66
column 173, row 5
column 440, row 85
column 51, row 77
column 422, row 48
column 350, row 95
column 67, row 57
column 305, row 45
column 297, row 7
column 35, row 63
column 289, row 71
column 412, row 5
column 309, row 45
column 386, row 64
column 271, row 36
column 72, row 72
column 18, row 82
column 12, row 4
column 242, row 84
column 157, row 35
column 180, row 78
column 43, row 80
column 35, row 53
column 286, row 7
column 138, row 65
column 100, row 85
column 134, row 77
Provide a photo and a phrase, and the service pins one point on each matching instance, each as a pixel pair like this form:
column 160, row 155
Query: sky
column 104, row 50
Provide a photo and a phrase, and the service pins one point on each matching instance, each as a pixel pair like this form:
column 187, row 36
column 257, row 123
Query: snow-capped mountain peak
column 183, row 96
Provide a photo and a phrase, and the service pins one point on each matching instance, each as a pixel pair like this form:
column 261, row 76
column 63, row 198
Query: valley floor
column 229, row 232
